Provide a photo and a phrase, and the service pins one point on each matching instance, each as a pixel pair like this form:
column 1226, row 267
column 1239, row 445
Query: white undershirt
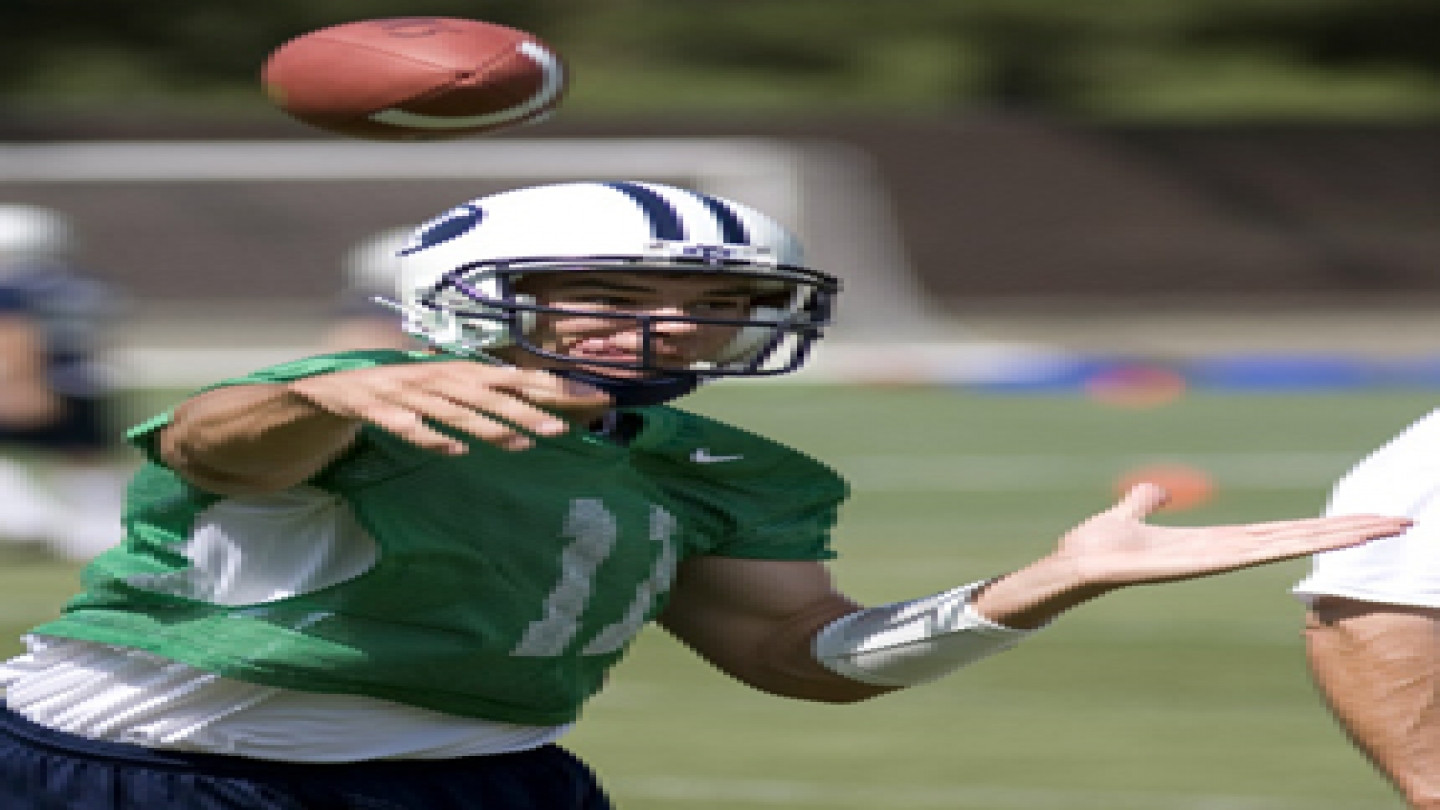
column 128, row 696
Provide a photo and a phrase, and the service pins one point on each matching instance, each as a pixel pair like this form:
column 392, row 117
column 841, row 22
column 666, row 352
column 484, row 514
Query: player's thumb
column 581, row 393
column 1141, row 500
column 565, row 393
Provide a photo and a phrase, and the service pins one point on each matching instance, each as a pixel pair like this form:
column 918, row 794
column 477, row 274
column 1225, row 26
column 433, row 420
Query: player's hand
column 497, row 404
column 1117, row 547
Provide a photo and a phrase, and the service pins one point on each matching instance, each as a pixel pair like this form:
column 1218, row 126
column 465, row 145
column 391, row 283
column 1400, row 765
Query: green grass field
column 1181, row 697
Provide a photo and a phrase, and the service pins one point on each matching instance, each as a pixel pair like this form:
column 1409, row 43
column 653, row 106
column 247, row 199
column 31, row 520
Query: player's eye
column 722, row 307
column 598, row 301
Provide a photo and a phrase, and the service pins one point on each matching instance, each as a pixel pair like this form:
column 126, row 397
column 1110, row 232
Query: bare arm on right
column 266, row 437
column 1378, row 667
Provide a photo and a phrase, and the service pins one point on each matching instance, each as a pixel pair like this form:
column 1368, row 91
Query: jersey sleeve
column 804, row 538
column 792, row 521
column 777, row 503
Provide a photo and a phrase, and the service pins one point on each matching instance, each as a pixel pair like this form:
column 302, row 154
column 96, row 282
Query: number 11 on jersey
column 593, row 532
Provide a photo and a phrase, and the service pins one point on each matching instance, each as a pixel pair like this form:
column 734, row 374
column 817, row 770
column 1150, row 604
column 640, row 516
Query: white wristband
column 910, row 643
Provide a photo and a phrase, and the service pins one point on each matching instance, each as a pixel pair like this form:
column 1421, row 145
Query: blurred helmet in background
column 372, row 265
column 29, row 233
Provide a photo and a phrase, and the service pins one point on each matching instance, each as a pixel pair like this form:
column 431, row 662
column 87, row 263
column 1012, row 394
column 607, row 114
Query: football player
column 55, row 399
column 1373, row 628
column 392, row 579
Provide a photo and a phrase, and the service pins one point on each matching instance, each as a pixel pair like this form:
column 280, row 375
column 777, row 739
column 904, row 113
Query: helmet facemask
column 469, row 280
column 485, row 308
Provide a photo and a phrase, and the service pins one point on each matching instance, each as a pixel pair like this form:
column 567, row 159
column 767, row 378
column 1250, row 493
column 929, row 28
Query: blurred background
column 1080, row 239
column 1087, row 175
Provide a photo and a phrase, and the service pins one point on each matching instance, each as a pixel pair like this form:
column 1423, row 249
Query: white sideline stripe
column 1082, row 472
column 765, row 173
column 785, row 793
column 152, row 161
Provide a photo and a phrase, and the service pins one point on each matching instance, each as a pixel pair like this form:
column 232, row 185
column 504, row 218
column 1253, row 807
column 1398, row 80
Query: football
column 415, row 78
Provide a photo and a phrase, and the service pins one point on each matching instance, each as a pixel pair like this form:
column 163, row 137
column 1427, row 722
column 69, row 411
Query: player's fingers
column 410, row 426
column 463, row 382
column 561, row 393
column 1354, row 530
column 1140, row 501
column 485, row 413
column 492, row 416
column 496, row 404
column 1290, row 547
column 525, row 398
column 1268, row 542
column 1340, row 525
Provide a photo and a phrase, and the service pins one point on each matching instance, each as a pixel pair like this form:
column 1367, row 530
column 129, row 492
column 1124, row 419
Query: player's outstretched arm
column 908, row 643
column 251, row 438
column 266, row 437
column 1117, row 549
column 782, row 627
column 1378, row 666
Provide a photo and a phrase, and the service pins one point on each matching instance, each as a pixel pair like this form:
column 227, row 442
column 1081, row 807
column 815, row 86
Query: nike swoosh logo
column 702, row 456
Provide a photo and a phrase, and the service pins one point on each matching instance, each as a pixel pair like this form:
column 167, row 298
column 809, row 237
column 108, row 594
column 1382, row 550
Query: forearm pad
column 909, row 643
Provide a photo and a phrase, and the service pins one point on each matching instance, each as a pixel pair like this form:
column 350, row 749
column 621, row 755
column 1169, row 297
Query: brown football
column 415, row 78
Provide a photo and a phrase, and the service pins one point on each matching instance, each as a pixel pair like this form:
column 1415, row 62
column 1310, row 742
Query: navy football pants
column 42, row 769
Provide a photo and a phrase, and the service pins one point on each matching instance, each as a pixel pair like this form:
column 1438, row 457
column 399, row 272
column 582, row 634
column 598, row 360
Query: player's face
column 601, row 324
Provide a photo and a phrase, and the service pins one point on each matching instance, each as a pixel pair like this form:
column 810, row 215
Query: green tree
column 1104, row 58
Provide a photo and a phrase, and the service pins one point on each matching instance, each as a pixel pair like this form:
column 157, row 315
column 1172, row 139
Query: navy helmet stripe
column 664, row 220
column 732, row 230
column 452, row 224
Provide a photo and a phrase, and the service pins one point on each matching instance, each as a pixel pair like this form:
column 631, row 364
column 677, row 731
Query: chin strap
column 638, row 392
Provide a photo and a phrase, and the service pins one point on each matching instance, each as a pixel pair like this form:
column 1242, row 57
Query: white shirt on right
column 1401, row 478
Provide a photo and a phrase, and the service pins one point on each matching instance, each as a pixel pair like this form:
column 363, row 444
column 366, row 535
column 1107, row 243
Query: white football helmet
column 372, row 264
column 31, row 233
column 458, row 271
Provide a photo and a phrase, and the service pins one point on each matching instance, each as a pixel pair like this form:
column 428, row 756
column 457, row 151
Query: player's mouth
column 617, row 361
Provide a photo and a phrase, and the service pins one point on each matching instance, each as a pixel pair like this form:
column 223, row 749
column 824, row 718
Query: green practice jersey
column 494, row 584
